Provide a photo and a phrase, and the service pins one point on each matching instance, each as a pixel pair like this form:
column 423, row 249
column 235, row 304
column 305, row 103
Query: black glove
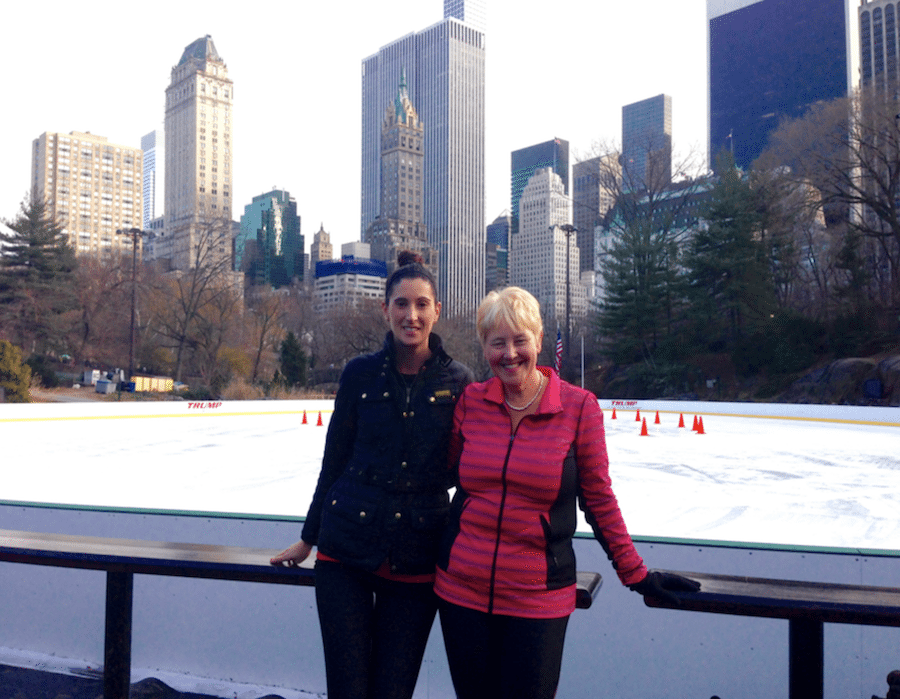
column 661, row 585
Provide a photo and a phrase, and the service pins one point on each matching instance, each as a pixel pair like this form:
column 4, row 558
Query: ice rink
column 808, row 477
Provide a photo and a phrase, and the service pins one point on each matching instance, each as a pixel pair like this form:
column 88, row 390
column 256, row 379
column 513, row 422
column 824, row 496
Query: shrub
column 15, row 377
column 41, row 369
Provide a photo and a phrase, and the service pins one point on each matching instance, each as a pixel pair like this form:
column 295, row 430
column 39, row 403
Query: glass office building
column 771, row 59
column 444, row 66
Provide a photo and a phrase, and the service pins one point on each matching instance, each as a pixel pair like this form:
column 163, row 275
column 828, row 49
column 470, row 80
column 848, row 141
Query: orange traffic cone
column 319, row 421
column 637, row 417
column 644, row 432
column 656, row 421
column 694, row 426
column 614, row 414
column 700, row 426
column 304, row 418
column 681, row 419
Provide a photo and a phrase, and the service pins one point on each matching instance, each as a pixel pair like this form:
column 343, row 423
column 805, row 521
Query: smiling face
column 412, row 312
column 512, row 354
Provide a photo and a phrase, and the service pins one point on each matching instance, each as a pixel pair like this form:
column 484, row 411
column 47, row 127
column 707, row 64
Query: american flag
column 558, row 361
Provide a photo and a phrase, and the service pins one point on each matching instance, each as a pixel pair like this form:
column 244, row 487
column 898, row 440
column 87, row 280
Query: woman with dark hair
column 381, row 500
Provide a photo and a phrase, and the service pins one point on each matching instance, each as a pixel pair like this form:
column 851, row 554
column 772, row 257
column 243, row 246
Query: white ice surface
column 748, row 479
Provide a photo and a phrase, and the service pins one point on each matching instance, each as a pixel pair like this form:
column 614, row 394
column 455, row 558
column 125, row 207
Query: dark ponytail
column 410, row 265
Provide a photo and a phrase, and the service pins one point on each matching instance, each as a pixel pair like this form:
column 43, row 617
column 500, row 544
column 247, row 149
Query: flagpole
column 582, row 360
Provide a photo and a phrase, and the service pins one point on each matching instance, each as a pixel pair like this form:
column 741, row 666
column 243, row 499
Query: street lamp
column 135, row 234
column 568, row 229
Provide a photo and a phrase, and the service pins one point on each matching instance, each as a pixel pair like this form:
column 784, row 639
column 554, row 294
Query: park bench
column 122, row 558
column 806, row 605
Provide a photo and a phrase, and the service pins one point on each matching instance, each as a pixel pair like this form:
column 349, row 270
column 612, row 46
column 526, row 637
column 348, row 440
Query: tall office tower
column 153, row 146
column 399, row 225
column 878, row 24
column 269, row 247
column 497, row 252
column 198, row 130
column 321, row 249
column 595, row 183
column 471, row 12
column 647, row 144
column 526, row 161
column 771, row 59
column 538, row 252
column 92, row 186
column 445, row 76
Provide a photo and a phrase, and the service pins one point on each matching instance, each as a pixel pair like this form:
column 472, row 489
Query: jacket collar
column 435, row 344
column 551, row 401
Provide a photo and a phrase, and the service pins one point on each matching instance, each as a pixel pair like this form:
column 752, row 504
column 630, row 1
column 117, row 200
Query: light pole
column 568, row 229
column 135, row 234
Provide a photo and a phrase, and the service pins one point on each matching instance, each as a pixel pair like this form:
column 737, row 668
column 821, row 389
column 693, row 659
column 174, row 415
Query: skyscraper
column 524, row 162
column 270, row 246
column 198, row 130
column 444, row 67
column 878, row 45
column 497, row 252
column 471, row 12
column 593, row 195
column 153, row 146
column 771, row 59
column 647, row 144
column 399, row 225
column 321, row 249
column 538, row 254
column 93, row 187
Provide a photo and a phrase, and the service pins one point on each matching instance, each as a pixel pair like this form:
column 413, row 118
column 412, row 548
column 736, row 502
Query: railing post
column 117, row 650
column 807, row 665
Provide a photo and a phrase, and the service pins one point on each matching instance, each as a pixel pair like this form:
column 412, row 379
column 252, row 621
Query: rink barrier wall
column 849, row 414
column 92, row 410
column 266, row 634
column 121, row 559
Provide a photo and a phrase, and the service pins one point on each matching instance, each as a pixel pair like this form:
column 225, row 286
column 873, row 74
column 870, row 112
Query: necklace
column 528, row 404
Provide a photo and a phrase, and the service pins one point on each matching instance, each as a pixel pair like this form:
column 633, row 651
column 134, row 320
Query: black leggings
column 374, row 632
column 502, row 657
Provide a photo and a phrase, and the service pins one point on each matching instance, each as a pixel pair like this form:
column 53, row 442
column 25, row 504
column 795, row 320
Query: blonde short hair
column 513, row 306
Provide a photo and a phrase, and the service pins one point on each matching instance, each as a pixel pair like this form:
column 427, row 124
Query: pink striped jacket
column 508, row 545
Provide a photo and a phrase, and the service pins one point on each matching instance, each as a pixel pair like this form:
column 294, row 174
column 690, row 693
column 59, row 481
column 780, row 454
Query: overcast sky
column 554, row 69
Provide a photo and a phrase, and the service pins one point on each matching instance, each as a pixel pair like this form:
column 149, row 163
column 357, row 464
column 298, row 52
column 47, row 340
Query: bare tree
column 102, row 290
column 849, row 149
column 184, row 296
column 266, row 314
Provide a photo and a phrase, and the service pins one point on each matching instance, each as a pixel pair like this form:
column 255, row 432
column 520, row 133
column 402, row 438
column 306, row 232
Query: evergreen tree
column 643, row 290
column 293, row 361
column 37, row 274
column 15, row 377
column 731, row 278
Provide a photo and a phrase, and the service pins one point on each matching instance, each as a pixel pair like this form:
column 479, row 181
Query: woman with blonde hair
column 526, row 446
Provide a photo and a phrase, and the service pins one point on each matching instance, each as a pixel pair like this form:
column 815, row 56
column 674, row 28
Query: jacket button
column 362, row 514
column 404, row 414
column 363, row 395
column 396, row 515
column 403, row 464
column 386, row 394
column 412, row 413
column 431, row 399
column 334, row 502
